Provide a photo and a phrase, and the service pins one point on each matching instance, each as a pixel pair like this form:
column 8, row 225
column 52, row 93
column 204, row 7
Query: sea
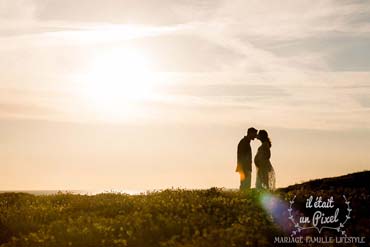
column 95, row 192
column 80, row 192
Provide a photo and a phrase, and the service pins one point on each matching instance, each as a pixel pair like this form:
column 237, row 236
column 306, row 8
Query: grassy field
column 213, row 217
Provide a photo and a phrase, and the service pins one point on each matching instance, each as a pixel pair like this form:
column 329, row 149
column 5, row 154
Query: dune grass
column 168, row 218
column 213, row 217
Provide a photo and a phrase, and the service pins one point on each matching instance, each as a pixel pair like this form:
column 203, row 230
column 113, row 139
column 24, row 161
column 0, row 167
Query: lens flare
column 277, row 208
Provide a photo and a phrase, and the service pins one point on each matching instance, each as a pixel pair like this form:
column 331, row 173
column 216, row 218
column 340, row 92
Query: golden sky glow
column 115, row 80
column 122, row 94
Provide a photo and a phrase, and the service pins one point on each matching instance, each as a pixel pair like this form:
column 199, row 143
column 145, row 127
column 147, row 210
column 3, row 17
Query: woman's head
column 263, row 136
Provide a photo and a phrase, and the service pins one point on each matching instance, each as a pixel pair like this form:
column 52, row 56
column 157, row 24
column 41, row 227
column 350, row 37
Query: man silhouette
column 244, row 159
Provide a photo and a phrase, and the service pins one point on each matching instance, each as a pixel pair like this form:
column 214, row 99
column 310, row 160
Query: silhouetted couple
column 265, row 172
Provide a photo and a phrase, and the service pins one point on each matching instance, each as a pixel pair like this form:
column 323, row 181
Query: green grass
column 208, row 218
column 168, row 218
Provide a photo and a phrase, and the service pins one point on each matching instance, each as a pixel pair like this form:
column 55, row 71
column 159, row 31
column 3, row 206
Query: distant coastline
column 81, row 192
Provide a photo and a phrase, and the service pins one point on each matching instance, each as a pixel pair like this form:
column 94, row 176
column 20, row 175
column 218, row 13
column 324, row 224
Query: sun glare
column 117, row 81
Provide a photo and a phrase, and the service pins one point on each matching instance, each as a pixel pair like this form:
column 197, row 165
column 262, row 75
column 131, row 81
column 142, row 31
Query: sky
column 149, row 95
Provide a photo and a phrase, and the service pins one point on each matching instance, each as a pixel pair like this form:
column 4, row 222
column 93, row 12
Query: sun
column 118, row 80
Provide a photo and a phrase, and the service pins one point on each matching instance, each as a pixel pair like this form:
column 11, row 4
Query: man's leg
column 248, row 179
column 242, row 179
column 245, row 180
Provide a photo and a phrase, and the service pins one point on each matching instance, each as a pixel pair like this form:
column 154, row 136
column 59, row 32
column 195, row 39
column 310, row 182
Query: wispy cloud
column 298, row 63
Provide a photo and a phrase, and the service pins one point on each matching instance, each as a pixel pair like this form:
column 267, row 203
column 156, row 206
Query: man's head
column 252, row 133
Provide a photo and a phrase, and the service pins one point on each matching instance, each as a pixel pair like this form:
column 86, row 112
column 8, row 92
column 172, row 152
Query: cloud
column 296, row 35
column 293, row 63
column 156, row 12
column 292, row 19
column 25, row 111
column 17, row 10
column 183, row 51
column 36, row 104
column 227, row 90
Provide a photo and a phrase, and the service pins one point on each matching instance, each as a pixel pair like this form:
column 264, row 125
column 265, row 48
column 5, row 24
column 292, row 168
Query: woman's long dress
column 265, row 172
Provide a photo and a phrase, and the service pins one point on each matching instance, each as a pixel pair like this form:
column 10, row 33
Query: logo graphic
column 319, row 220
